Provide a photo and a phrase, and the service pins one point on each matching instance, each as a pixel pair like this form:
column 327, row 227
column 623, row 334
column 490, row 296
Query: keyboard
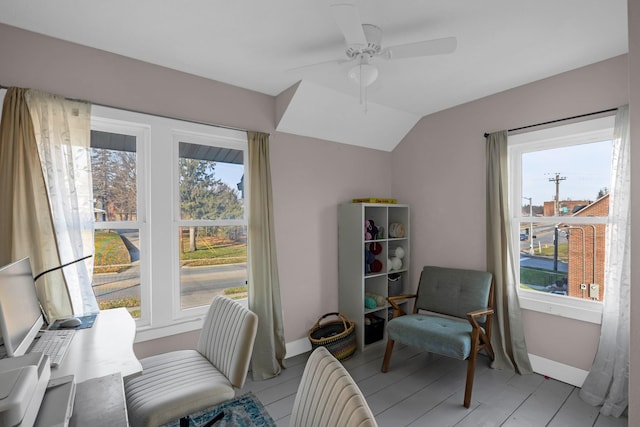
column 54, row 344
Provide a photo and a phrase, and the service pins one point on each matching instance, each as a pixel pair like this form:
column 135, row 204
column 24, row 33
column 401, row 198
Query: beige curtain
column 62, row 128
column 264, row 284
column 608, row 381
column 507, row 334
column 26, row 227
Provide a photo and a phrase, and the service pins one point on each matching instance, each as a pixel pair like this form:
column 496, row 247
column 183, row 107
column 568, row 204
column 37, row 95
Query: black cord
column 60, row 266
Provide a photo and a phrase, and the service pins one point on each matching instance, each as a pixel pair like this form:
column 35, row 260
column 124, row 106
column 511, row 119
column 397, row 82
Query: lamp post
column 531, row 251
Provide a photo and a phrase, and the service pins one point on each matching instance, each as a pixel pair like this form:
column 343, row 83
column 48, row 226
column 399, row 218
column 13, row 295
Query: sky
column 230, row 174
column 586, row 167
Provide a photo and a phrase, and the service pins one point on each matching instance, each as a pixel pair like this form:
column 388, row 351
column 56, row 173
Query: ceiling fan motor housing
column 373, row 35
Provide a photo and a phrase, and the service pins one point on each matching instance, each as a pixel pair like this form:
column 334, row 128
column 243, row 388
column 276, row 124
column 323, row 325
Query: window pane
column 211, row 182
column 564, row 258
column 113, row 164
column 116, row 274
column 573, row 267
column 213, row 261
column 576, row 175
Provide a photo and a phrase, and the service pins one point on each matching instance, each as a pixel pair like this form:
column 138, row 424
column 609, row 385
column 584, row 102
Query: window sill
column 146, row 333
column 191, row 320
column 562, row 306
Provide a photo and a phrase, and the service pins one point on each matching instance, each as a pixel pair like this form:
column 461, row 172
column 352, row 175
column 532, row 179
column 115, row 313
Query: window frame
column 226, row 138
column 100, row 122
column 584, row 132
column 159, row 247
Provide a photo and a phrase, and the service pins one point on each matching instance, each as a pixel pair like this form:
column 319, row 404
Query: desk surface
column 104, row 349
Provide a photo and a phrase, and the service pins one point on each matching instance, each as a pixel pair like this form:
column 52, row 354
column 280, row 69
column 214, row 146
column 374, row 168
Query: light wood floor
column 422, row 389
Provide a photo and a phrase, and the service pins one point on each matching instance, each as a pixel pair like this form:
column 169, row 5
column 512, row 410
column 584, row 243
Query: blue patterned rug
column 243, row 411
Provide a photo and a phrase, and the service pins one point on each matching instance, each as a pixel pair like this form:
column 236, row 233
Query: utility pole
column 557, row 180
column 530, row 199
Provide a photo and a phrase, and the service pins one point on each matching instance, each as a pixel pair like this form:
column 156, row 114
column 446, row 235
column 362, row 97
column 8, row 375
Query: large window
column 171, row 228
column 559, row 201
column 212, row 225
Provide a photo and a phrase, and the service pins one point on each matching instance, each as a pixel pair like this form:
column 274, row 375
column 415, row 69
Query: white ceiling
column 254, row 44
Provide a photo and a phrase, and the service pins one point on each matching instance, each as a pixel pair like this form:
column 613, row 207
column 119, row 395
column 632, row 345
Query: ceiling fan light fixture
column 364, row 74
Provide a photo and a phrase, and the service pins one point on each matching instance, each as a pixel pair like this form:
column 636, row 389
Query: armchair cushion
column 452, row 291
column 436, row 334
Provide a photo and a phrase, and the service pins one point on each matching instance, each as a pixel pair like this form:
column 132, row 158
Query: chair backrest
column 227, row 337
column 452, row 291
column 328, row 396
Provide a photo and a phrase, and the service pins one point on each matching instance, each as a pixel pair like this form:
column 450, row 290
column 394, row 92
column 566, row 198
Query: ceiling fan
column 364, row 46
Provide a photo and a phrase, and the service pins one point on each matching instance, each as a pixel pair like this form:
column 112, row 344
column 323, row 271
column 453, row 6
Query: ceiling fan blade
column 307, row 67
column 348, row 20
column 423, row 48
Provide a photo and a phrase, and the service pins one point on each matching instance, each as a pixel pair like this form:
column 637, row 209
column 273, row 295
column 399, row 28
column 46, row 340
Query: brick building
column 586, row 252
column 565, row 207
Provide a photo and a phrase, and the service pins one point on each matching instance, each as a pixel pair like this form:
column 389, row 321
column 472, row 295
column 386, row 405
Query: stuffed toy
column 370, row 230
column 396, row 230
column 368, row 260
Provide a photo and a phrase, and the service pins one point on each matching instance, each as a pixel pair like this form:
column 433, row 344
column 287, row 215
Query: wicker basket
column 337, row 336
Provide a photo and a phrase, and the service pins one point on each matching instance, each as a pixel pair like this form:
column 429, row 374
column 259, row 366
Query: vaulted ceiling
column 265, row 46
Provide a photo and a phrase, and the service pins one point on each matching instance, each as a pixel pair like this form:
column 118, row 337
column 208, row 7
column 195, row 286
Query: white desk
column 99, row 357
column 104, row 349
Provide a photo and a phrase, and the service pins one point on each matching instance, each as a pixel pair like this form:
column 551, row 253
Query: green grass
column 236, row 293
column 535, row 277
column 214, row 252
column 132, row 305
column 111, row 255
column 563, row 251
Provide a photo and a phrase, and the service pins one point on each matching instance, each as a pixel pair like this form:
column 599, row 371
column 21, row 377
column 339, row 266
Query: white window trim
column 101, row 123
column 571, row 134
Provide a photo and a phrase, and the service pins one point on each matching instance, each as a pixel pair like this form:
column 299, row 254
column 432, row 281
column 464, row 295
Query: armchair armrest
column 394, row 301
column 471, row 316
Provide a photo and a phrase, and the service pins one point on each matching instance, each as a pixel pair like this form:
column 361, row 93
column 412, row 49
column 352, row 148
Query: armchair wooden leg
column 471, row 369
column 387, row 355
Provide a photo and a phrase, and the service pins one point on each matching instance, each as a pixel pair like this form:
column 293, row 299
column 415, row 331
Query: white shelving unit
column 355, row 280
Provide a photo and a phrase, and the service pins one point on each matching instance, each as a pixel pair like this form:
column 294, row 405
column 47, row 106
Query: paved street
column 198, row 284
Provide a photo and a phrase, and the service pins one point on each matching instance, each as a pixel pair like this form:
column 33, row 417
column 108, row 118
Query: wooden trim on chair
column 480, row 340
column 394, row 301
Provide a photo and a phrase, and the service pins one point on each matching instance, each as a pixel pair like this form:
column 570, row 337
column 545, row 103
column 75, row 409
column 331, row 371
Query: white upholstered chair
column 328, row 396
column 175, row 384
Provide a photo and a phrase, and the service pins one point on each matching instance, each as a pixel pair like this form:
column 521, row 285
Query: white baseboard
column 297, row 347
column 558, row 371
column 551, row 368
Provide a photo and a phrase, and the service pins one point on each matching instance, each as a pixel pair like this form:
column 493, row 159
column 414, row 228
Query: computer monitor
column 20, row 315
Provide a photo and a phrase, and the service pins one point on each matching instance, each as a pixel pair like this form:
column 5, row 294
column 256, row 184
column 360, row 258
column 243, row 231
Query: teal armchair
column 452, row 316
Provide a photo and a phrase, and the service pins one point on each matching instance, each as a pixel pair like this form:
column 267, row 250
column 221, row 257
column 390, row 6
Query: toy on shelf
column 395, row 262
column 371, row 264
column 379, row 300
column 370, row 302
column 370, row 230
column 396, row 230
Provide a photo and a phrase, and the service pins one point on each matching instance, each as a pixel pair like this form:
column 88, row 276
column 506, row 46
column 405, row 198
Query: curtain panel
column 45, row 187
column 264, row 284
column 63, row 134
column 26, row 226
column 607, row 383
column 508, row 333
